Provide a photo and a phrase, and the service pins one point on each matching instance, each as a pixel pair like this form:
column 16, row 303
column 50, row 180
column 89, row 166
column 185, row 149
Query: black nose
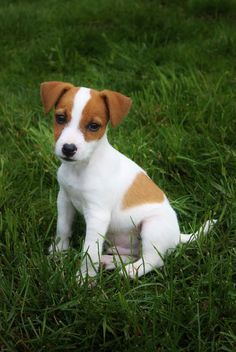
column 69, row 149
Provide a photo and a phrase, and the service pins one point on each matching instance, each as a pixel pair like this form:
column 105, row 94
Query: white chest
column 73, row 184
column 86, row 188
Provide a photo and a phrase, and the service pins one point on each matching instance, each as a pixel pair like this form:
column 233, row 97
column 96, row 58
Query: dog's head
column 81, row 117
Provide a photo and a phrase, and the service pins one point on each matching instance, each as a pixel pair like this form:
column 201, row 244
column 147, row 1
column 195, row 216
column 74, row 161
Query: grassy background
column 176, row 59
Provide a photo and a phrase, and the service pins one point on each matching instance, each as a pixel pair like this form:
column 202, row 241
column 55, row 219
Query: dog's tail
column 204, row 229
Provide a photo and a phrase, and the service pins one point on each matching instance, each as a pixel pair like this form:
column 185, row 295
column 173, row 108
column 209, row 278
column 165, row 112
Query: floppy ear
column 50, row 93
column 118, row 106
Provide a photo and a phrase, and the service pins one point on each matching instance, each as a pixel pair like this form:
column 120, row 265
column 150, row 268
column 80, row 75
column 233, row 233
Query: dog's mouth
column 67, row 159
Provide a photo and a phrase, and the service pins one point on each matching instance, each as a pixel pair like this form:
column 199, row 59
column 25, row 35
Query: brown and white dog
column 120, row 203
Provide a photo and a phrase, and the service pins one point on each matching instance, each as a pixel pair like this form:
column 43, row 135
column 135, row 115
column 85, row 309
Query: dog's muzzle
column 69, row 150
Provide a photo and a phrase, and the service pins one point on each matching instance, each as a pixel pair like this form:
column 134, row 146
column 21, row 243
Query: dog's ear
column 117, row 104
column 51, row 92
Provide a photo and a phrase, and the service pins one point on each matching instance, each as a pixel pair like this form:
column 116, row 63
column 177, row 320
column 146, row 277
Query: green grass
column 177, row 61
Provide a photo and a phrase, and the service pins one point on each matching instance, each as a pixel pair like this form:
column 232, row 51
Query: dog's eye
column 93, row 126
column 61, row 119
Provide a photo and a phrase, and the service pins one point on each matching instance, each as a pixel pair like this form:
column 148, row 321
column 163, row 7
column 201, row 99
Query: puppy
column 128, row 217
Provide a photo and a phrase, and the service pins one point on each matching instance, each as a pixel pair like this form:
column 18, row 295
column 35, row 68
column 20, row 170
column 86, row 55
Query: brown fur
column 142, row 191
column 118, row 106
column 64, row 105
column 94, row 111
column 51, row 92
column 102, row 107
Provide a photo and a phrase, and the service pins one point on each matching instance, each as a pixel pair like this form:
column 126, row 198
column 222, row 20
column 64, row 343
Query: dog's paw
column 107, row 262
column 59, row 246
column 130, row 270
column 85, row 277
column 88, row 281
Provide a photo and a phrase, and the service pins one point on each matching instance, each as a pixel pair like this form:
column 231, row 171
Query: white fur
column 95, row 184
column 71, row 133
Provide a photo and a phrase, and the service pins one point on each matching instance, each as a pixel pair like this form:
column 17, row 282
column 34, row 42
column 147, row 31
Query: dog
column 129, row 219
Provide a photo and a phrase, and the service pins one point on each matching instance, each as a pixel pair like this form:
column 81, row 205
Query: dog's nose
column 69, row 149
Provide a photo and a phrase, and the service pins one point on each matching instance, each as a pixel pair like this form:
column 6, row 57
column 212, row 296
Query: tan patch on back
column 64, row 106
column 94, row 112
column 142, row 191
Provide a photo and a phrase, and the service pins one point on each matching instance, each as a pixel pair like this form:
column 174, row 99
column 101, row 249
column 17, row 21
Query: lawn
column 177, row 61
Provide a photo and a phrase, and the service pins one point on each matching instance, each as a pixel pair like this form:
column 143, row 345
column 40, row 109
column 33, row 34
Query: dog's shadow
column 78, row 232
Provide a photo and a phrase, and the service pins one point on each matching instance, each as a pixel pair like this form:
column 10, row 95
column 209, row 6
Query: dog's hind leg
column 112, row 261
column 157, row 235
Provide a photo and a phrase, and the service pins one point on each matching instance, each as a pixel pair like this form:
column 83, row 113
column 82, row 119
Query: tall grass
column 177, row 62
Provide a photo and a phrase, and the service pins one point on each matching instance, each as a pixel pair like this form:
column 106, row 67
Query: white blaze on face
column 71, row 133
column 80, row 100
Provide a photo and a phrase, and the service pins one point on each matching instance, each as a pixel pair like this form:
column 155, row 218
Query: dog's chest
column 84, row 189
column 74, row 186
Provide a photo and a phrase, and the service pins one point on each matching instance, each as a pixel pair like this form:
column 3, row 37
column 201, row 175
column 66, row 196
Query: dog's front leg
column 97, row 224
column 65, row 218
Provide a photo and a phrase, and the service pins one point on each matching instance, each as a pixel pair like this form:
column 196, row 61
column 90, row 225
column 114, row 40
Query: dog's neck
column 102, row 149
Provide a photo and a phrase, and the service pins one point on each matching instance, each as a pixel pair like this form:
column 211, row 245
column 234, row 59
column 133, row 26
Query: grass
column 177, row 62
